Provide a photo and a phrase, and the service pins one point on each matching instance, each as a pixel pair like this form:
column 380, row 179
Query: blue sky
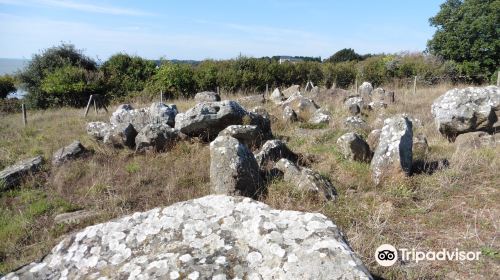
column 215, row 29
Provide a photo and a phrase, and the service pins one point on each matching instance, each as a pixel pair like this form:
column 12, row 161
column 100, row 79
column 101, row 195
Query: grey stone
column 98, row 130
column 365, row 90
column 263, row 125
column 233, row 168
column 354, row 100
column 249, row 135
column 465, row 110
column 420, row 145
column 380, row 95
column 373, row 138
column 163, row 113
column 70, row 152
column 213, row 237
column 124, row 115
column 321, row 116
column 122, row 135
column 259, row 110
column 207, row 96
column 157, row 137
column 292, row 90
column 207, row 119
column 289, row 115
column 354, row 109
column 274, row 150
column 302, row 106
column 355, row 123
column 75, row 217
column 353, row 147
column 393, row 155
column 306, row 180
column 377, row 105
column 11, row 176
column 276, row 96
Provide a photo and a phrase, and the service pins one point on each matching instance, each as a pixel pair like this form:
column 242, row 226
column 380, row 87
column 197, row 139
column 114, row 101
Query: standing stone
column 162, row 113
column 373, row 138
column 157, row 137
column 289, row 115
column 249, row 135
column 365, row 90
column 465, row 110
column 206, row 96
column 277, row 96
column 393, row 155
column 353, row 147
column 213, row 237
column 11, row 176
column 306, row 180
column 207, row 119
column 302, row 106
column 272, row 151
column 70, row 152
column 233, row 168
column 380, row 95
column 291, row 91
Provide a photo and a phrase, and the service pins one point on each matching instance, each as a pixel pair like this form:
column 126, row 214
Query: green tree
column 43, row 64
column 124, row 73
column 175, row 80
column 467, row 33
column 344, row 55
column 7, row 86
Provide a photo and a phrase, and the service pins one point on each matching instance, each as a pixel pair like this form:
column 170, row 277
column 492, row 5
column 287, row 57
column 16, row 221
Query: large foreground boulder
column 70, row 152
column 465, row 110
column 306, row 180
column 213, row 237
column 11, row 176
column 393, row 155
column 233, row 168
column 207, row 119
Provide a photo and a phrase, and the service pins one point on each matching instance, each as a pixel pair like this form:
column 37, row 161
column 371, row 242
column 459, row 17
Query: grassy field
column 457, row 207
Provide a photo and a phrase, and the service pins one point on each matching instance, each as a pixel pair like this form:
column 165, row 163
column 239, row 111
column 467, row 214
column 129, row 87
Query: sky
column 215, row 29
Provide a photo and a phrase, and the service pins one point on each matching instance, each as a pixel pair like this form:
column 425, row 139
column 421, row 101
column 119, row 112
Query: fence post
column 356, row 85
column 88, row 105
column 95, row 106
column 25, row 120
column 267, row 90
column 415, row 85
column 218, row 91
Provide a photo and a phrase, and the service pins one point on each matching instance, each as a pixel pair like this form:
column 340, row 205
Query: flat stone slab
column 12, row 175
column 214, row 237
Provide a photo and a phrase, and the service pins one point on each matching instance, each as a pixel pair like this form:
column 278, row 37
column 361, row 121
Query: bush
column 341, row 74
column 175, row 80
column 6, row 86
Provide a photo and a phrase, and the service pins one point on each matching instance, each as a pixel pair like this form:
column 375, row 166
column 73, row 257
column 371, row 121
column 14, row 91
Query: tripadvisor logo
column 387, row 255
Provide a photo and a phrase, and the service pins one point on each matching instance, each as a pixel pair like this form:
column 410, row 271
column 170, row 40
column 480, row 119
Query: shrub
column 6, row 86
column 175, row 80
column 341, row 74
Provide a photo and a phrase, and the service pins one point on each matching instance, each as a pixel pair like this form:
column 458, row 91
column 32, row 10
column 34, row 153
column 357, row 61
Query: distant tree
column 468, row 33
column 344, row 55
column 44, row 64
column 7, row 86
column 175, row 80
column 124, row 73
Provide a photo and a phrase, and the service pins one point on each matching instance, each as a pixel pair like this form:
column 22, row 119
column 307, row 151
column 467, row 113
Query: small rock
column 98, row 130
column 75, row 217
column 207, row 96
column 353, row 147
column 373, row 138
column 272, row 151
column 476, row 140
column 380, row 95
column 70, row 152
column 321, row 116
column 302, row 106
column 11, row 176
column 277, row 97
column 156, row 137
column 355, row 123
column 289, row 115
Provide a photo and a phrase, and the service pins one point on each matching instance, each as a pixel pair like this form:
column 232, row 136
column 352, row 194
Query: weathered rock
column 256, row 98
column 11, row 176
column 354, row 109
column 465, row 110
column 354, row 100
column 124, row 115
column 365, row 90
column 98, row 130
column 373, row 138
column 377, row 105
column 249, row 135
column 355, row 123
column 207, row 119
column 122, row 135
column 274, row 150
column 263, row 125
column 476, row 140
column 75, row 217
column 207, row 96
column 277, row 96
column 353, row 147
column 233, row 168
column 420, row 145
column 163, row 113
column 306, row 180
column 213, row 237
column 393, row 155
column 302, row 106
column 259, row 110
column 380, row 95
column 156, row 137
column 292, row 90
column 70, row 152
column 321, row 116
column 289, row 115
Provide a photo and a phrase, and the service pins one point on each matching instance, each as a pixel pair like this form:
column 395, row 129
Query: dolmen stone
column 70, row 152
column 302, row 106
column 156, row 137
column 11, row 176
column 394, row 153
column 213, row 237
column 274, row 150
column 207, row 96
column 233, row 168
column 353, row 147
column 465, row 110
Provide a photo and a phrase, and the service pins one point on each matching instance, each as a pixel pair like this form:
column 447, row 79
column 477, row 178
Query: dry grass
column 453, row 208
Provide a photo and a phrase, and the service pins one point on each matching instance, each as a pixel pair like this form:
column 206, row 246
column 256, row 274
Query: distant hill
column 11, row 65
